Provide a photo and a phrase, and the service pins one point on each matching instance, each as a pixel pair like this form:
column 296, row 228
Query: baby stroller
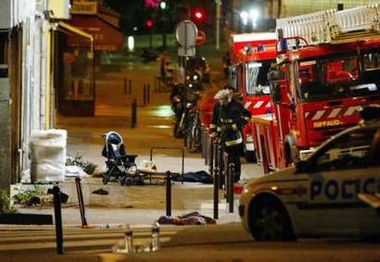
column 120, row 166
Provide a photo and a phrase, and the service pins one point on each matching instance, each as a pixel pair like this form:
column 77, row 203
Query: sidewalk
column 151, row 137
column 141, row 205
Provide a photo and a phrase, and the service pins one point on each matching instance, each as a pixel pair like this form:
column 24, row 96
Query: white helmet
column 222, row 94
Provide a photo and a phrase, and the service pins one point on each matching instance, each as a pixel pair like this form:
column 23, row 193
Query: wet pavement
column 151, row 139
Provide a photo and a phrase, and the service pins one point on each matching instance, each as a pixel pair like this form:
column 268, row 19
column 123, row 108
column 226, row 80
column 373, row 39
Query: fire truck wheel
column 269, row 221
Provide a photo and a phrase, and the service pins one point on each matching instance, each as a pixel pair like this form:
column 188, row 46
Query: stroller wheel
column 128, row 181
column 105, row 179
column 125, row 181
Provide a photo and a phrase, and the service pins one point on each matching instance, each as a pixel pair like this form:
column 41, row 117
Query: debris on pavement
column 192, row 218
column 100, row 192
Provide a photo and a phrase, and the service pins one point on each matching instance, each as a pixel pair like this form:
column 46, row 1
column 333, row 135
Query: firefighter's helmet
column 222, row 94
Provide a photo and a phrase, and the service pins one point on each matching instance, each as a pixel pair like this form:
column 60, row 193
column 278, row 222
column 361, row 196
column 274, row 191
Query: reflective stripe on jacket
column 228, row 120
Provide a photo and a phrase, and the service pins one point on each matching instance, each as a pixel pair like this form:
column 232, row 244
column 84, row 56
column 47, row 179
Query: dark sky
column 134, row 14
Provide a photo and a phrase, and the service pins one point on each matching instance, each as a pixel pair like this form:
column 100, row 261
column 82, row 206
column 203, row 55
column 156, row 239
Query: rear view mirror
column 275, row 75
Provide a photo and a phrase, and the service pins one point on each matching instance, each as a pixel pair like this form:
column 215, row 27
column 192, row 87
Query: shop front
column 86, row 35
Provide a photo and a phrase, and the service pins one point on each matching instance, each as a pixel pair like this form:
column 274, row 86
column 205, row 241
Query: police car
column 320, row 196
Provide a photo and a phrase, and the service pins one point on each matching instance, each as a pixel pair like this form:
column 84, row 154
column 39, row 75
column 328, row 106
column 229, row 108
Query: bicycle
column 193, row 132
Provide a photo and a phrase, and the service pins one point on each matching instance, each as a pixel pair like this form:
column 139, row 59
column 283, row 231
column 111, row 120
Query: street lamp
column 244, row 17
column 253, row 15
column 163, row 7
column 218, row 4
column 131, row 43
column 250, row 16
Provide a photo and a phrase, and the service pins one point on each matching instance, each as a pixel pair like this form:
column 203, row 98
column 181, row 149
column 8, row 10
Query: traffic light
column 198, row 15
column 149, row 23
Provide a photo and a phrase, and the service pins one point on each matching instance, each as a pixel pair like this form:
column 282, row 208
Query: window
column 342, row 70
column 78, row 75
column 347, row 152
column 256, row 78
column 371, row 61
column 339, row 77
column 308, row 80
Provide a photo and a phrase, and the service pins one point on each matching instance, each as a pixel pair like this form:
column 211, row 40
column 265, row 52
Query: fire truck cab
column 328, row 67
column 251, row 57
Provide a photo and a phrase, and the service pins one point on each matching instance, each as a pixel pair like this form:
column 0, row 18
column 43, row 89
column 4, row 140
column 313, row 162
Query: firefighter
column 228, row 118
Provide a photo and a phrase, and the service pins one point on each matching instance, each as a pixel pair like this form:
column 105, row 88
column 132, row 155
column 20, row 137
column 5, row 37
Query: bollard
column 146, row 97
column 168, row 193
column 211, row 158
column 148, row 93
column 205, row 143
column 127, row 86
column 226, row 170
column 134, row 113
column 219, row 163
column 227, row 179
column 230, row 186
column 58, row 219
column 80, row 202
column 216, row 193
column 215, row 153
column 144, row 94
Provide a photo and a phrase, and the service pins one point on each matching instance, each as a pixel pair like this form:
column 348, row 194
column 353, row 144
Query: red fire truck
column 328, row 67
column 251, row 58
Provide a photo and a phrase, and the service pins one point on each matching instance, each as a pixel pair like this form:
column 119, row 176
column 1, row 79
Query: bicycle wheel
column 178, row 130
column 193, row 137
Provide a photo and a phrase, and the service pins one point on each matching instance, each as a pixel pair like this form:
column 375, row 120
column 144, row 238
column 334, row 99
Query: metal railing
column 326, row 26
column 222, row 171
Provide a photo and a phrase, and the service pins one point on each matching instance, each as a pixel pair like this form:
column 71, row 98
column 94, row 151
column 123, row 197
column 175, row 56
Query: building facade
column 26, row 87
column 47, row 61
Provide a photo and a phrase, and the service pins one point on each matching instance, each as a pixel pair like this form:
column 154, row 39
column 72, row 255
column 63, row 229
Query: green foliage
column 5, row 203
column 23, row 198
column 87, row 167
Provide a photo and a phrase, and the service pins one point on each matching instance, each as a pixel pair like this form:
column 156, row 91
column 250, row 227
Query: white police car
column 319, row 197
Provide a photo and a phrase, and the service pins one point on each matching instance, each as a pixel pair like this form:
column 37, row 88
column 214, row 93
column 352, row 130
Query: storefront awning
column 76, row 31
column 106, row 36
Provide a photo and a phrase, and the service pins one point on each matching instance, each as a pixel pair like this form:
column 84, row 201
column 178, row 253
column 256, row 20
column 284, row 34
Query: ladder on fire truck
column 332, row 26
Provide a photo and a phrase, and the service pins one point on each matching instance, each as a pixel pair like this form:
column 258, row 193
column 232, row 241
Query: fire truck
column 328, row 68
column 251, row 58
